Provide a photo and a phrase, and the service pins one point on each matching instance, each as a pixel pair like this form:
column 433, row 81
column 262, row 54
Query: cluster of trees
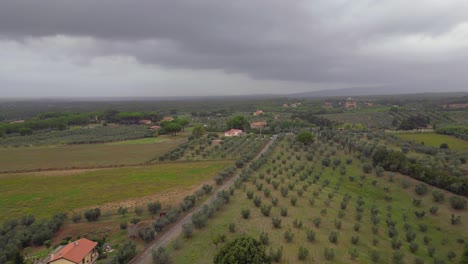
column 314, row 119
column 396, row 161
column 58, row 122
column 17, row 234
column 128, row 118
column 457, row 131
column 173, row 127
column 414, row 122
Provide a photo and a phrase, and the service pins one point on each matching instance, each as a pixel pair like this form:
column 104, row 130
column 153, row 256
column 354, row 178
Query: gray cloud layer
column 358, row 42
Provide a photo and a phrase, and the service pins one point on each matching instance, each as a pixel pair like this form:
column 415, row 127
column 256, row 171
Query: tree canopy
column 305, row 137
column 239, row 122
column 198, row 131
column 243, row 249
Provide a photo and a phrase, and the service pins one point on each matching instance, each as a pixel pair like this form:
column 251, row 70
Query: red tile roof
column 74, row 251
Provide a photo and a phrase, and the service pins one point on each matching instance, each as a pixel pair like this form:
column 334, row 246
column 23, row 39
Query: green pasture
column 149, row 140
column 81, row 156
column 201, row 249
column 46, row 193
column 433, row 139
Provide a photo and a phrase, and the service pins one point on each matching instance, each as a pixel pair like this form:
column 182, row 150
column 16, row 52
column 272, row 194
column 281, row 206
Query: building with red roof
column 233, row 133
column 79, row 251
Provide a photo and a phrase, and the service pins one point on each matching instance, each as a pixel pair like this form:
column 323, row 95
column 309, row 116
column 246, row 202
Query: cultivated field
column 84, row 156
column 46, row 193
column 375, row 219
column 432, row 139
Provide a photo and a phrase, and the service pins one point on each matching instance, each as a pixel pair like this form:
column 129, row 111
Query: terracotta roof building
column 233, row 133
column 79, row 251
column 258, row 124
column 258, row 112
column 145, row 122
column 167, row 118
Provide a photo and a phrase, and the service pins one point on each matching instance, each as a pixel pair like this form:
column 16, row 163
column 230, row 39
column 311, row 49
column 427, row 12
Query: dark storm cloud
column 307, row 41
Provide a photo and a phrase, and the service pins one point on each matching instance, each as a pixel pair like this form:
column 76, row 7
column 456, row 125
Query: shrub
column 199, row 219
column 417, row 202
column 302, row 253
column 266, row 210
column 288, row 236
column 338, row 224
column 354, row 240
column 438, row 196
column 451, row 255
column 277, row 255
column 317, row 220
column 135, row 220
column 329, row 254
column 398, row 257
column 257, row 201
column 245, row 213
column 410, row 236
column 138, row 210
column 413, row 247
column 293, row 200
column 433, row 210
column 250, row 194
column 420, row 189
column 92, row 214
column 419, row 214
column 455, row 220
column 232, row 227
column 161, row 256
column 284, row 211
column 264, row 238
column 353, row 253
column 310, row 234
column 274, row 201
column 147, row 234
column 457, row 202
column 374, row 256
column 356, row 227
column 333, row 237
column 396, row 244
column 243, row 249
column 276, row 222
column 367, row 168
column 154, row 207
column 76, row 217
column 297, row 223
column 123, row 225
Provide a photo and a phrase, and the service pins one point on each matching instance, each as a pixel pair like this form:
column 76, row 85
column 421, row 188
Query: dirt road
column 145, row 257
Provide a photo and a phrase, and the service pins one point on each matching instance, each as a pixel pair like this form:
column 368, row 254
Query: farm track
column 174, row 231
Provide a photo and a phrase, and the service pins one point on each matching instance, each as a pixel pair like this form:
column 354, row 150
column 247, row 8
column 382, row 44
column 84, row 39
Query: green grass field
column 82, row 156
column 150, row 140
column 45, row 193
column 432, row 139
column 327, row 205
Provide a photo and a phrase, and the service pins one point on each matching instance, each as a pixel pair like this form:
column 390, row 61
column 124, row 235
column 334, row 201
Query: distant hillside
column 378, row 90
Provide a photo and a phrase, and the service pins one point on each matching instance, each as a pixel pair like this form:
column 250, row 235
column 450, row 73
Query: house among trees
column 77, row 252
column 258, row 112
column 154, row 128
column 457, row 105
column 167, row 118
column 259, row 124
column 145, row 122
column 233, row 133
column 351, row 104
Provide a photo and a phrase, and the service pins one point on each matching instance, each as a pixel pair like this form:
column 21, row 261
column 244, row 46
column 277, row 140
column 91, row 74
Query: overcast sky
column 219, row 47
